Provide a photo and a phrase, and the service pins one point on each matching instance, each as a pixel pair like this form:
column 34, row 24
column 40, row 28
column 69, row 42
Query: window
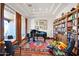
column 9, row 22
column 23, row 31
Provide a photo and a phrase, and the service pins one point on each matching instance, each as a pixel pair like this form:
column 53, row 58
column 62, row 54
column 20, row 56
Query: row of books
column 74, row 16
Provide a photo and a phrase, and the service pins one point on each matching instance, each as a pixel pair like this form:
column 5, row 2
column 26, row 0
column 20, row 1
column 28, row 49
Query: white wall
column 50, row 27
column 28, row 25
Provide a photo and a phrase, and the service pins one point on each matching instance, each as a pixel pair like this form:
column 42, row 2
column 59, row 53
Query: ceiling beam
column 51, row 7
column 57, row 8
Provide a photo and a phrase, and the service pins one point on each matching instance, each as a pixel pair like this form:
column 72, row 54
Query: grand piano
column 36, row 33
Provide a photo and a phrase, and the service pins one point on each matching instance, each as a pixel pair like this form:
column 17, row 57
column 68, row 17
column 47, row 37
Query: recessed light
column 40, row 8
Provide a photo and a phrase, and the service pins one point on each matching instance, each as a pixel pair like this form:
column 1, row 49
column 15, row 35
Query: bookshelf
column 68, row 22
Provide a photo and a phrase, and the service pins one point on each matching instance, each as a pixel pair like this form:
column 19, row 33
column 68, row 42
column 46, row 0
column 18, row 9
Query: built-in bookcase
column 67, row 23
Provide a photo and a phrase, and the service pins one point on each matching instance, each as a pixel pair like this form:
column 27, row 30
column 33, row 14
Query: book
column 77, row 15
column 69, row 24
column 78, row 37
column 78, row 30
column 73, row 17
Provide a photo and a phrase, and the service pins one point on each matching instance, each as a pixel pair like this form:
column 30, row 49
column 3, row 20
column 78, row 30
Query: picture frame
column 43, row 24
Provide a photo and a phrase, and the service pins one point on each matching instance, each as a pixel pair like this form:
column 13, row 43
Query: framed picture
column 43, row 24
column 37, row 23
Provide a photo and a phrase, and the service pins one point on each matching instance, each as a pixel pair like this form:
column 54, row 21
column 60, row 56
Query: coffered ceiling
column 41, row 10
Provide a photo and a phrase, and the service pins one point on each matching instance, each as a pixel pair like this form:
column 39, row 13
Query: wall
column 28, row 25
column 50, row 27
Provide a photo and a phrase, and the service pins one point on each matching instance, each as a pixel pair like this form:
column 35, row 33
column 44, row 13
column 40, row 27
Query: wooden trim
column 26, row 26
column 18, row 27
column 77, row 35
column 14, row 42
column 1, row 21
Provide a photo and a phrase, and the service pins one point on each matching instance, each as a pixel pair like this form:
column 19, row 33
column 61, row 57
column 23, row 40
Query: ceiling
column 41, row 10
